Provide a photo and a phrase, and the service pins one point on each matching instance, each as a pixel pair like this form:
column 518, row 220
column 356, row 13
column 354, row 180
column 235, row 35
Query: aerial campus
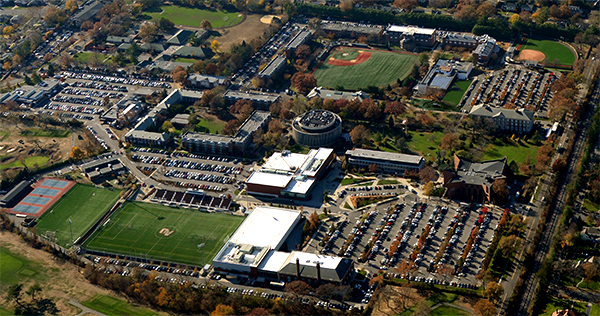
column 299, row 158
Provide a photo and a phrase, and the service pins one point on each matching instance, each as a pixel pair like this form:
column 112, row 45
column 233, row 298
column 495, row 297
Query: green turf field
column 83, row 204
column 135, row 230
column 193, row 17
column 35, row 132
column 456, row 91
column 553, row 50
column 381, row 69
column 114, row 306
column 29, row 162
column 16, row 269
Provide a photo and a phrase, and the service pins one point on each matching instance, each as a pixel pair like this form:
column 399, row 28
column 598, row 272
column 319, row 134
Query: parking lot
column 431, row 238
column 512, row 87
column 190, row 170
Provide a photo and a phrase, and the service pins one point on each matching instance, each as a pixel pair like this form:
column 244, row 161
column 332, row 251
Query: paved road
column 543, row 247
column 85, row 310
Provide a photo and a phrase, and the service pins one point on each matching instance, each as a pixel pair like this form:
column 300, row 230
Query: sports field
column 83, row 204
column 159, row 232
column 457, row 91
column 553, row 50
column 193, row 17
column 380, row 68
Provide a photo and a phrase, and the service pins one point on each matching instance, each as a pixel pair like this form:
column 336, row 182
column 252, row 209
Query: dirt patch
column 361, row 58
column 530, row 54
column 251, row 28
column 268, row 18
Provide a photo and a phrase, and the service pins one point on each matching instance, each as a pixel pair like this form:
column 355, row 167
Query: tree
column 406, row 4
column 493, row 291
column 298, row 287
column 485, row 308
column 514, row 18
column 148, row 32
column 76, row 153
column 325, row 196
column 223, row 310
column 499, row 191
column 449, row 141
column 303, row 82
column 205, row 24
column 179, row 74
column 303, row 51
column 71, row 5
column 211, row 69
column 346, row 5
column 426, row 120
column 373, row 168
column 166, row 127
column 231, row 127
column 558, row 165
column 55, row 16
column 8, row 30
column 395, row 108
column 166, row 24
column 428, row 174
column 359, row 135
column 14, row 293
column 507, row 246
column 428, row 188
column 215, row 46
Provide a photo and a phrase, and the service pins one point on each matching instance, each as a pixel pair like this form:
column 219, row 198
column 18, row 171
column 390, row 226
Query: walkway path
column 85, row 310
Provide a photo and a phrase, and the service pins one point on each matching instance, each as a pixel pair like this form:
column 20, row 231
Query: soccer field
column 193, row 17
column 158, row 232
column 380, row 69
column 83, row 204
column 553, row 50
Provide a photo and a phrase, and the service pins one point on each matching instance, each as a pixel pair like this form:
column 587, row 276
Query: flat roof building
column 207, row 81
column 511, row 120
column 17, row 192
column 300, row 38
column 290, row 175
column 442, row 75
column 392, row 163
column 411, row 36
column 317, row 128
column 273, row 67
column 259, row 98
column 320, row 92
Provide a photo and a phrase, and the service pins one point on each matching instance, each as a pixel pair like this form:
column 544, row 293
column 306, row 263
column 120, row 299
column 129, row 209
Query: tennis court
column 45, row 193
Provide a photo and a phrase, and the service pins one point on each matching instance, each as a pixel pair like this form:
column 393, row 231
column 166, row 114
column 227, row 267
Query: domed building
column 317, row 128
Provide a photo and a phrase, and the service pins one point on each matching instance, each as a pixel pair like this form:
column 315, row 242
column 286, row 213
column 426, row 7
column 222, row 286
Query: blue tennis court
column 22, row 208
column 36, row 200
column 54, row 183
column 45, row 191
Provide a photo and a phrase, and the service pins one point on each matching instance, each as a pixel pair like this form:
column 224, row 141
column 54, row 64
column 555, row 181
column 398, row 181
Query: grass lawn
column 114, row 306
column 186, row 60
column 135, row 230
column 193, row 17
column 384, row 182
column 83, row 204
column 456, row 91
column 504, row 147
column 213, row 124
column 436, row 298
column 6, row 312
column 448, row 310
column 594, row 286
column 3, row 134
column 380, row 69
column 89, row 57
column 45, row 133
column 366, row 184
column 555, row 304
column 347, row 206
column 425, row 144
column 348, row 181
column 591, row 206
column 595, row 310
column 553, row 50
column 29, row 162
column 432, row 105
column 15, row 269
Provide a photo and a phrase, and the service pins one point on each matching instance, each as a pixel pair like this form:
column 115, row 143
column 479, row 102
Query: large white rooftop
column 311, row 259
column 410, row 29
column 274, row 261
column 285, row 161
column 265, row 227
column 270, row 179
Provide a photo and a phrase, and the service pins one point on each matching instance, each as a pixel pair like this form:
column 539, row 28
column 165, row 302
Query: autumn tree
column 359, row 135
column 426, row 120
column 205, row 24
column 303, row 51
column 428, row 188
column 179, row 74
column 76, row 153
column 499, row 191
column 485, row 308
column 148, row 32
column 428, row 174
column 493, row 291
column 406, row 4
column 449, row 141
column 507, row 246
column 558, row 165
column 166, row 24
column 373, row 168
column 231, row 127
column 298, row 287
column 223, row 310
column 215, row 46
column 346, row 5
column 303, row 82
column 394, row 108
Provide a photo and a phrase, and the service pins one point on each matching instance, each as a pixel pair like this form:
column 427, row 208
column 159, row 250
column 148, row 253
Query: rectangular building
column 419, row 36
column 258, row 98
column 510, row 120
column 391, row 163
column 276, row 65
column 207, row 81
column 298, row 40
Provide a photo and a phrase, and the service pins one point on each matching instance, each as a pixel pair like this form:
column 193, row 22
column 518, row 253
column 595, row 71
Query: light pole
column 71, row 228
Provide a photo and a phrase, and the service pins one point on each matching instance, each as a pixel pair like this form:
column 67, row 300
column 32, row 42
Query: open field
column 114, row 306
column 595, row 310
column 380, row 69
column 456, row 91
column 29, row 162
column 425, row 144
column 517, row 152
column 90, row 57
column 83, row 204
column 553, row 50
column 15, row 269
column 163, row 233
column 193, row 17
column 591, row 206
column 211, row 123
column 45, row 132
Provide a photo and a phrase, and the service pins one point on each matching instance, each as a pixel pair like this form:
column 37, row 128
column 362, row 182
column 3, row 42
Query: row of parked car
column 100, row 140
column 184, row 154
column 131, row 80
column 77, row 100
column 189, row 175
column 177, row 163
column 72, row 108
column 92, row 93
column 99, row 86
